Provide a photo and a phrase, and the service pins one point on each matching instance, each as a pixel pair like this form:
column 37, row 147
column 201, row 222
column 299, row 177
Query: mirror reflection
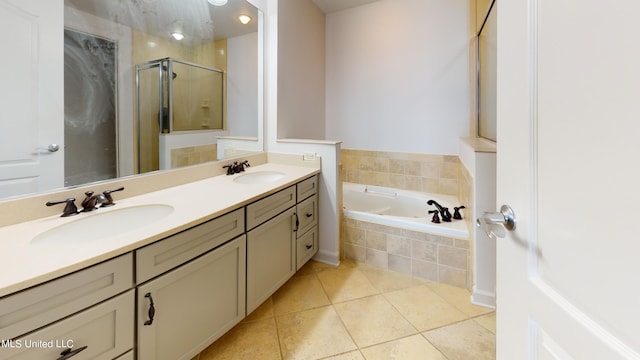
column 487, row 73
column 148, row 85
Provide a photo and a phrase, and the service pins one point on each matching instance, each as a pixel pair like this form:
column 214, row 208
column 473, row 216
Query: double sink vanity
column 157, row 276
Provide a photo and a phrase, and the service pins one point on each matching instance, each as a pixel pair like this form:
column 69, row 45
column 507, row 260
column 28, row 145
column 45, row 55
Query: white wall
column 242, row 85
column 398, row 76
column 301, row 70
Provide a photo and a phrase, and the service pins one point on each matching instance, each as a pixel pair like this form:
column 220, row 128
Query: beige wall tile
column 397, row 245
column 425, row 251
column 376, row 240
column 401, row 264
column 452, row 276
column 424, row 270
column 376, row 258
column 453, row 257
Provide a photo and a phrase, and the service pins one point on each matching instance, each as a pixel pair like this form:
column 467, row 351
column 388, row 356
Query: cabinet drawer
column 46, row 303
column 175, row 250
column 105, row 329
column 263, row 210
column 307, row 214
column 308, row 187
column 307, row 247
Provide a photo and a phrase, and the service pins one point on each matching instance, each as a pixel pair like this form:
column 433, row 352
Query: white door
column 31, row 96
column 569, row 166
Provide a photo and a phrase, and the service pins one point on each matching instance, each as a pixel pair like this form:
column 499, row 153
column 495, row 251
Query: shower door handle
column 496, row 224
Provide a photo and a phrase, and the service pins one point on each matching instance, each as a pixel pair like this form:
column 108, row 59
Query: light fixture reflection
column 177, row 35
column 217, row 2
column 244, row 19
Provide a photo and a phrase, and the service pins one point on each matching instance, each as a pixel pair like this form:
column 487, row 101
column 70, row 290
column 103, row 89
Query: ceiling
column 197, row 18
column 329, row 6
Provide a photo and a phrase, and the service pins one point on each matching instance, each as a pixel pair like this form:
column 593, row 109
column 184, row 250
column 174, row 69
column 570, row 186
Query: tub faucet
column 444, row 212
column 456, row 212
column 435, row 219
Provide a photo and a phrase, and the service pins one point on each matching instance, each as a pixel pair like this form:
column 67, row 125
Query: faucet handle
column 456, row 212
column 435, row 219
column 108, row 198
column 229, row 169
column 70, row 208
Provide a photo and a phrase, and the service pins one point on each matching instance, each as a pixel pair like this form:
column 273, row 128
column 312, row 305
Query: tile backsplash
column 408, row 171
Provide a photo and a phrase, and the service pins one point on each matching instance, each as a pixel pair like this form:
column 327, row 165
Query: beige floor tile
column 352, row 355
column 413, row 347
column 264, row 311
column 345, row 284
column 488, row 321
column 298, row 294
column 463, row 341
column 313, row 334
column 458, row 297
column 246, row 341
column 373, row 320
column 424, row 308
column 312, row 267
column 386, row 281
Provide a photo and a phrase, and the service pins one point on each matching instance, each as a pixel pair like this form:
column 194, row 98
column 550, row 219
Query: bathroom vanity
column 165, row 290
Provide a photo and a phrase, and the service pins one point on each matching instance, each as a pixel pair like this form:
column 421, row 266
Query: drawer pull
column 70, row 353
column 295, row 229
column 309, row 215
column 309, row 246
column 152, row 310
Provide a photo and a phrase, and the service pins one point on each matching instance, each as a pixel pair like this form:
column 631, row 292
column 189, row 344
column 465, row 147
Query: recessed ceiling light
column 177, row 35
column 244, row 19
column 217, row 2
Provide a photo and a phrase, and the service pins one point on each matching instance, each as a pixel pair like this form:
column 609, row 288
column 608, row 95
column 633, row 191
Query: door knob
column 51, row 148
column 496, row 224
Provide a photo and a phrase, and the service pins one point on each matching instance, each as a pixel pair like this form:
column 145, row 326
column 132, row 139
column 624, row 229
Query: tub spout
column 444, row 212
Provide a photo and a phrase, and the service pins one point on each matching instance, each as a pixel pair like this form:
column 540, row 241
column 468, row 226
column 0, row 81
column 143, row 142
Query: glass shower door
column 90, row 114
column 151, row 116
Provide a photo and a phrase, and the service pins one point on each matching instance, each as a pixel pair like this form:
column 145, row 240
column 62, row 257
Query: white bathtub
column 400, row 208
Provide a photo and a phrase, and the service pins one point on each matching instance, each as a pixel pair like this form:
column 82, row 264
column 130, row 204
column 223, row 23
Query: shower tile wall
column 418, row 172
column 437, row 258
column 193, row 155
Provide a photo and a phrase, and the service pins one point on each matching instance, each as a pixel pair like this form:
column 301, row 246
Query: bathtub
column 400, row 208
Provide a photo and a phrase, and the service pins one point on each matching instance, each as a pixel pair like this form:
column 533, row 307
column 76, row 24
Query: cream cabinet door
column 271, row 257
column 185, row 310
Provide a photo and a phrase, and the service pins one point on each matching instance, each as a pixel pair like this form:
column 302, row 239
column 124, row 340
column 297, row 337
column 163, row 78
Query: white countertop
column 23, row 264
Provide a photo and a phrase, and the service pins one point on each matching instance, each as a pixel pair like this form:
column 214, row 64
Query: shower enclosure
column 175, row 96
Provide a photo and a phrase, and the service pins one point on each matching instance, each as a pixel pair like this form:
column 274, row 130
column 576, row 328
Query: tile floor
column 357, row 312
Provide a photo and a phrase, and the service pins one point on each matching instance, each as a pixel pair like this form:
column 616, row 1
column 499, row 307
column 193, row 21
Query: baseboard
column 483, row 298
column 329, row 258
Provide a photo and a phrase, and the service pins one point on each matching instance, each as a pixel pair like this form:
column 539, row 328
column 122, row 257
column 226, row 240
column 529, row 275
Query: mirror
column 104, row 42
column 487, row 72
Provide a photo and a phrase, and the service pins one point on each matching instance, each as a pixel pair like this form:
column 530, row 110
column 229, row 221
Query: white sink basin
column 98, row 225
column 259, row 177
